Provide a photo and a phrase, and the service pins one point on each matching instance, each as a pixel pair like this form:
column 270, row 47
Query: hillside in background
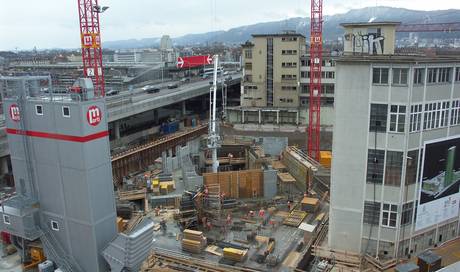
column 332, row 28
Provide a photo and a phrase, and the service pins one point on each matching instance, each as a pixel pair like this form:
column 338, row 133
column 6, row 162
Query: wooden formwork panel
column 237, row 184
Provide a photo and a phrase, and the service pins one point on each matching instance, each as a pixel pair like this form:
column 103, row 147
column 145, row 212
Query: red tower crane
column 316, row 60
column 91, row 51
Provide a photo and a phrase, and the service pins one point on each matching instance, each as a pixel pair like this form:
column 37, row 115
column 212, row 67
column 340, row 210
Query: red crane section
column 316, row 60
column 91, row 50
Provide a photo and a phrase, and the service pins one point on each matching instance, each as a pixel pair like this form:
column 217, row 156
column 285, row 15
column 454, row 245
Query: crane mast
column 91, row 51
column 316, row 59
column 213, row 138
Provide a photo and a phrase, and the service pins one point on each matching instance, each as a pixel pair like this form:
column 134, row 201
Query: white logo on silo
column 14, row 113
column 94, row 115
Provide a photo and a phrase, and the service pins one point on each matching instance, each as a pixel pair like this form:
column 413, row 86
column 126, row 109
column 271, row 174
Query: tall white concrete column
column 297, row 118
column 242, row 116
column 277, row 117
column 260, row 116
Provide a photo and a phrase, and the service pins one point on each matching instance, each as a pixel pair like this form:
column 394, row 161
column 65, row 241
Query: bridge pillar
column 4, row 165
column 277, row 117
column 260, row 117
column 155, row 116
column 242, row 116
column 184, row 109
column 116, row 129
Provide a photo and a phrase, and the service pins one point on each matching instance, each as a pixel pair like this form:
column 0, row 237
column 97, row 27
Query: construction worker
column 251, row 214
column 289, row 205
column 203, row 221
column 261, row 213
column 163, row 225
column 229, row 219
column 209, row 225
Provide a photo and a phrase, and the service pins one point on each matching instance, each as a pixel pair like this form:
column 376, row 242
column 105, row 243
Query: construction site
column 201, row 191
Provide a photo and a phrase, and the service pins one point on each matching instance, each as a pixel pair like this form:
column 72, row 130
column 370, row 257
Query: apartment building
column 275, row 85
column 395, row 167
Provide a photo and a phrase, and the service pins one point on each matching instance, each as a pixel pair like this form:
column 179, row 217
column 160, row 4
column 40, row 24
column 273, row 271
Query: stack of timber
column 193, row 241
column 295, row 218
column 236, row 255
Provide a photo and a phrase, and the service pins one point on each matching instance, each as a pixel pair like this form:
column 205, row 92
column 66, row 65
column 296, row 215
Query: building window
column 380, row 75
column 406, row 214
column 289, row 88
column 378, row 118
column 400, row 76
column 393, row 168
column 288, row 77
column 375, row 160
column 389, row 215
column 327, row 88
column 6, row 219
column 66, row 111
column 248, row 54
column 439, row 75
column 371, row 213
column 286, row 100
column 419, row 76
column 289, row 64
column 39, row 109
column 289, row 39
column 411, row 167
column 54, row 225
column 457, row 74
column 248, row 66
column 415, row 117
column 436, row 115
column 250, row 88
column 288, row 52
column 248, row 78
column 455, row 113
column 444, row 75
column 304, row 74
column 397, row 118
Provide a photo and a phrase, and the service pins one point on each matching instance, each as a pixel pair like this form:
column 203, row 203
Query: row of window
column 288, row 52
column 286, row 100
column 434, row 114
column 248, row 66
column 324, row 74
column 65, row 110
column 288, row 77
column 289, row 64
column 7, row 221
column 289, row 39
column 400, row 76
column 324, row 63
column 326, row 88
column 387, row 214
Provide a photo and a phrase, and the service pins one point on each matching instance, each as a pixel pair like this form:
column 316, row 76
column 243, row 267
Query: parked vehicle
column 185, row 80
column 169, row 127
column 112, row 92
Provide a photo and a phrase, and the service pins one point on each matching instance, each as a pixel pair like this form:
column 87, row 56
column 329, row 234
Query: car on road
column 228, row 78
column 185, row 80
column 173, row 85
column 112, row 92
column 150, row 89
column 153, row 90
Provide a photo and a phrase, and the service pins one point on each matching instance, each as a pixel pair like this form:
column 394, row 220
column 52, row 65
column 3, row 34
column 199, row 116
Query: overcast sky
column 54, row 23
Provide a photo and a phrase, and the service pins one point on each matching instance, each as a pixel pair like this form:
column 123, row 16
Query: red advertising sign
column 15, row 114
column 193, row 61
column 94, row 115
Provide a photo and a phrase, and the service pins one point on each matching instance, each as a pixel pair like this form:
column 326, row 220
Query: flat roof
column 398, row 58
column 279, row 35
column 370, row 23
